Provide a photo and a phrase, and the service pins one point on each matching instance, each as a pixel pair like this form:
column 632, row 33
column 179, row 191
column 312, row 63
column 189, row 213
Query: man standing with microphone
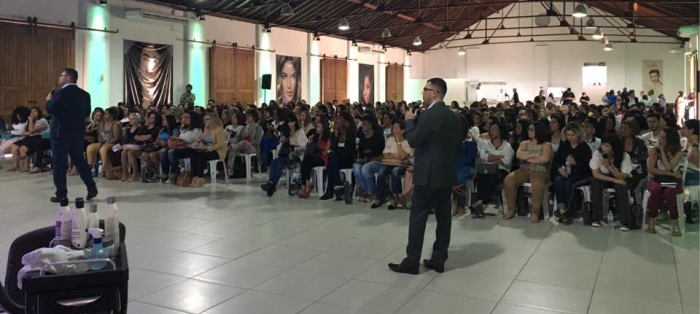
column 69, row 107
column 436, row 137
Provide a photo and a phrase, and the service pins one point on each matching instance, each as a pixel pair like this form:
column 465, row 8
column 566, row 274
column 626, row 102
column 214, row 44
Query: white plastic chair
column 320, row 180
column 213, row 166
column 346, row 175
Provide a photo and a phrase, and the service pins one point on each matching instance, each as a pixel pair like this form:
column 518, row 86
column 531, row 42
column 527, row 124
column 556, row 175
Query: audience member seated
column 556, row 125
column 343, row 151
column 638, row 151
column 305, row 121
column 665, row 165
column 130, row 132
column 518, row 136
column 570, row 166
column 611, row 167
column 466, row 160
column 654, row 122
column 236, row 126
column 19, row 123
column 181, row 146
column 535, row 156
column 152, row 156
column 369, row 157
column 144, row 139
column 315, row 155
column 589, row 134
column 395, row 157
column 247, row 140
column 212, row 146
column 497, row 151
column 109, row 133
column 21, row 150
column 292, row 144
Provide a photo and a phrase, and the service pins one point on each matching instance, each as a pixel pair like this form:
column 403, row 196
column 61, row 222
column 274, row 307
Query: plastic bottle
column 111, row 218
column 63, row 224
column 568, row 165
column 92, row 221
column 97, row 252
column 611, row 217
column 78, row 234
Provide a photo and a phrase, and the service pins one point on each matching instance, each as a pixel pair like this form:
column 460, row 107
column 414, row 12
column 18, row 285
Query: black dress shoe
column 438, row 268
column 55, row 199
column 376, row 205
column 91, row 194
column 266, row 187
column 403, row 269
column 271, row 191
column 326, row 196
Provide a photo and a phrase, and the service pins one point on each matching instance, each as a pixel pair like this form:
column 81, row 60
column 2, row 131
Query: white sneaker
column 624, row 228
column 595, row 224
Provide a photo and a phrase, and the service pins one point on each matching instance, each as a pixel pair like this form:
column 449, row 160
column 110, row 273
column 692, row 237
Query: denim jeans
column 364, row 174
column 564, row 189
column 396, row 173
column 276, row 168
column 463, row 174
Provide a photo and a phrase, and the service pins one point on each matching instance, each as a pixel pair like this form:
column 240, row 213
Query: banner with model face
column 366, row 83
column 651, row 76
column 148, row 74
column 288, row 80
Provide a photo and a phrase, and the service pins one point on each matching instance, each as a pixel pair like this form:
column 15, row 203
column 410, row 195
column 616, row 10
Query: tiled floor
column 233, row 250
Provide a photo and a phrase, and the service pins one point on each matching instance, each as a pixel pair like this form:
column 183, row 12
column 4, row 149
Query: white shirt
column 18, row 129
column 191, row 137
column 64, row 86
column 391, row 147
column 625, row 167
column 431, row 105
column 649, row 137
column 486, row 148
column 594, row 144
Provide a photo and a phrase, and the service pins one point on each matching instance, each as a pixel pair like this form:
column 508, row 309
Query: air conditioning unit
column 150, row 17
column 369, row 50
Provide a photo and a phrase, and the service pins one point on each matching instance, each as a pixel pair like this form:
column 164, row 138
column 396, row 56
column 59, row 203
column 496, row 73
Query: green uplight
column 197, row 71
column 96, row 76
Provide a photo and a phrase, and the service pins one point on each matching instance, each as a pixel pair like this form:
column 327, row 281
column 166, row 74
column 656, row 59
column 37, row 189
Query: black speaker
column 266, row 81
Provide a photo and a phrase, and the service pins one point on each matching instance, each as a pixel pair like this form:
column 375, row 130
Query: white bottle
column 92, row 221
column 63, row 224
column 111, row 219
column 78, row 234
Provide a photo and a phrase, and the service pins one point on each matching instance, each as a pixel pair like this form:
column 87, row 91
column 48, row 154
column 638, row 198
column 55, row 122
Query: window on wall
column 594, row 74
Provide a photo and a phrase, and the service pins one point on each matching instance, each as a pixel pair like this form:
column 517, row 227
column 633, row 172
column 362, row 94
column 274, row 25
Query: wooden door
column 231, row 75
column 334, row 80
column 394, row 82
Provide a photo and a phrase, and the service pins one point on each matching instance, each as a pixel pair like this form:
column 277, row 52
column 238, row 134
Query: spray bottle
column 97, row 252
column 111, row 218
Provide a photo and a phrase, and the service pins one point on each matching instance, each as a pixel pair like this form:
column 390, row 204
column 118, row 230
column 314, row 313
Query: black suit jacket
column 69, row 108
column 436, row 136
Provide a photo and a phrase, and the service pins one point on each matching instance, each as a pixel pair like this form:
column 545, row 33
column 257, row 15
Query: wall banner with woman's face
column 366, row 90
column 651, row 76
column 148, row 74
column 288, row 79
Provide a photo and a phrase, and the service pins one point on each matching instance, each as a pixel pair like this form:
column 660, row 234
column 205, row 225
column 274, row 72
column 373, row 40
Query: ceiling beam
column 552, row 41
column 408, row 18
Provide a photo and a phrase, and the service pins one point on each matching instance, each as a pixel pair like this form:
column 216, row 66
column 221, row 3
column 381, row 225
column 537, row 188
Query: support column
column 265, row 65
column 96, row 67
column 353, row 73
column 198, row 66
column 314, row 71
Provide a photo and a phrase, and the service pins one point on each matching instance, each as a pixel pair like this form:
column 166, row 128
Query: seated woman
column 248, row 140
column 212, row 146
column 135, row 139
column 91, row 137
column 495, row 150
column 691, row 130
column 664, row 164
column 292, row 142
column 109, row 133
column 343, row 151
column 395, row 157
column 535, row 156
column 22, row 149
column 467, row 159
column 519, row 135
column 556, row 125
column 570, row 166
column 130, row 132
column 237, row 124
column 19, row 123
column 369, row 157
column 611, row 167
column 315, row 155
column 152, row 158
column 593, row 142
column 638, row 151
column 181, row 146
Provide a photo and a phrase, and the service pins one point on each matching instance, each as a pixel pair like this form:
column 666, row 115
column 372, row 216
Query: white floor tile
column 254, row 302
column 302, row 284
column 369, row 296
column 281, row 256
column 604, row 303
column 548, row 297
column 185, row 264
column 143, row 282
column 192, row 296
column 479, row 287
column 431, row 302
column 319, row 308
column 143, row 308
column 230, row 247
column 241, row 274
column 337, row 264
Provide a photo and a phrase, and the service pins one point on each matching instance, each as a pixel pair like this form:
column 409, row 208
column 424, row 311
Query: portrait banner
column 652, row 71
column 148, row 74
column 366, row 77
column 288, row 80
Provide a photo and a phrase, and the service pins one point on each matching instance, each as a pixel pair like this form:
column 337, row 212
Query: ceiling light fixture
column 286, row 10
column 408, row 52
column 608, row 47
column 354, row 43
column 386, row 33
column 580, row 11
column 316, row 37
column 590, row 24
column 598, row 34
column 103, row 2
column 343, row 25
column 417, row 41
column 461, row 52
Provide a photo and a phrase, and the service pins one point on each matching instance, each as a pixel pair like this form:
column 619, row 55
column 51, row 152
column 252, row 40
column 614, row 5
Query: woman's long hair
column 673, row 141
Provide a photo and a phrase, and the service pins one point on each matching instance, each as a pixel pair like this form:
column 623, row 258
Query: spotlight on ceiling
column 590, row 24
column 461, row 52
column 286, row 10
column 606, row 41
column 442, row 45
column 267, row 28
column 408, row 52
column 608, row 47
column 103, row 2
column 417, row 41
column 316, row 37
column 580, row 11
column 354, row 43
column 598, row 34
column 386, row 33
column 343, row 25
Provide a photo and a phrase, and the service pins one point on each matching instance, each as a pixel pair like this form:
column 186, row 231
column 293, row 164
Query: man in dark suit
column 516, row 97
column 69, row 107
column 436, row 137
